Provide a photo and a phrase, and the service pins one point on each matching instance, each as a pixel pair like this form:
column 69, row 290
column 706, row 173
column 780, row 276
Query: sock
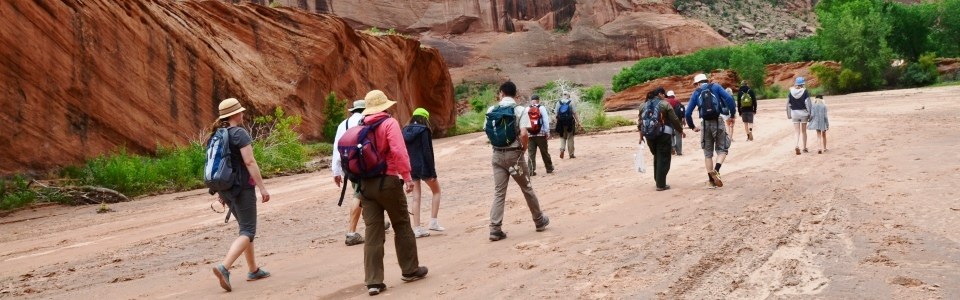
column 717, row 167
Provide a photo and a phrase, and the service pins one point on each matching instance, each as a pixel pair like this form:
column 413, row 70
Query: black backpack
column 711, row 106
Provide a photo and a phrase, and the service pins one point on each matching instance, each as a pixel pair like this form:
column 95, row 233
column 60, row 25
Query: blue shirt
column 694, row 103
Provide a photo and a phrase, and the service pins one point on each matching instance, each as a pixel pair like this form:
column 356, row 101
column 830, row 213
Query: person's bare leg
column 251, row 263
column 415, row 205
column 236, row 249
column 354, row 216
column 796, row 129
column 434, row 185
column 824, row 139
column 720, row 159
column 803, row 130
column 708, row 163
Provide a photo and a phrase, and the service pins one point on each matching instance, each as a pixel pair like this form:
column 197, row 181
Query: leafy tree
column 854, row 33
column 749, row 66
column 334, row 112
column 947, row 31
column 911, row 26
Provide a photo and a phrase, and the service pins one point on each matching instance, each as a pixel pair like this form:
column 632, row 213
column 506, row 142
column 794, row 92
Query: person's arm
column 546, row 121
column 740, row 101
column 524, row 125
column 397, row 156
column 754, row 97
column 335, row 157
column 691, row 105
column 247, row 153
column 672, row 117
column 727, row 99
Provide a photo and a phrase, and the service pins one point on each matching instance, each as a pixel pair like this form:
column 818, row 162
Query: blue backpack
column 651, row 121
column 218, row 172
column 501, row 126
column 711, row 106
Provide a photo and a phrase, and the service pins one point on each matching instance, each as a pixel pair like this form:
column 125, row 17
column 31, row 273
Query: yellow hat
column 229, row 107
column 377, row 101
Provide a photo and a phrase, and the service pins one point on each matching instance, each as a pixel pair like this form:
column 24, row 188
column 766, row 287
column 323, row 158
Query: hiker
column 419, row 143
column 713, row 102
column 798, row 110
column 678, row 109
column 539, row 134
column 506, row 126
column 747, row 107
column 353, row 216
column 566, row 123
column 385, row 192
column 658, row 123
column 241, row 197
column 729, row 120
column 820, row 122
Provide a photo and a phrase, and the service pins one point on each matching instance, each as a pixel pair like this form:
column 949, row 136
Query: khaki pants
column 566, row 142
column 376, row 196
column 502, row 161
column 538, row 142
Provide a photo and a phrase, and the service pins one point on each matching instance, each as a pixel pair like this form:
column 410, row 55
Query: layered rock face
column 495, row 40
column 82, row 78
column 781, row 75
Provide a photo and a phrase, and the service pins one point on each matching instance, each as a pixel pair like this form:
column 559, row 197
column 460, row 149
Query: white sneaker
column 419, row 232
column 435, row 226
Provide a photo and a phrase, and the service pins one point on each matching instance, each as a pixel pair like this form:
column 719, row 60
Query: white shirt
column 545, row 127
column 352, row 121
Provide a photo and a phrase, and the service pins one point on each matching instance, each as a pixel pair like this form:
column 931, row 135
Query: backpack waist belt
column 506, row 149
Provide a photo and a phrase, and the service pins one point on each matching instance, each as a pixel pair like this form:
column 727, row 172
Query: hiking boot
column 542, row 225
column 497, row 235
column 710, row 184
column 435, row 226
column 798, row 150
column 223, row 275
column 561, row 154
column 572, row 156
column 715, row 175
column 259, row 274
column 419, row 274
column 420, row 232
column 664, row 188
column 549, row 171
column 376, row 289
column 805, row 150
column 354, row 238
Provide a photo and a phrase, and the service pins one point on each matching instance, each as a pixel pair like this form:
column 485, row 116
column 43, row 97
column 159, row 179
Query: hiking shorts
column 243, row 206
column 799, row 116
column 714, row 138
column 747, row 116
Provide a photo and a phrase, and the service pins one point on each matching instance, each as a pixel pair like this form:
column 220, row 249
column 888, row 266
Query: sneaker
column 419, row 232
column 710, row 184
column 419, row 274
column 549, row 171
column 354, row 238
column 716, row 178
column 664, row 188
column 497, row 235
column 544, row 221
column 561, row 154
column 750, row 136
column 376, row 289
column 259, row 274
column 798, row 150
column 572, row 156
column 435, row 226
column 223, row 275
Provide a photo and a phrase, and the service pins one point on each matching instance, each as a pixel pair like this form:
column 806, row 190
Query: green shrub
column 278, row 148
column 15, row 193
column 828, row 77
column 469, row 122
column 921, row 73
column 854, row 33
column 593, row 94
column 749, row 66
column 771, row 92
column 334, row 112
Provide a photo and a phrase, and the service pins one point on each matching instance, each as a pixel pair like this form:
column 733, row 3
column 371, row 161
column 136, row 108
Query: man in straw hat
column 508, row 162
column 387, row 193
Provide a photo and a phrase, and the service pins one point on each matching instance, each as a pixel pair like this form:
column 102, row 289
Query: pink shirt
column 389, row 134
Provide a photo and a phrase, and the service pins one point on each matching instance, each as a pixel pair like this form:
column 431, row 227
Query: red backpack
column 359, row 153
column 536, row 119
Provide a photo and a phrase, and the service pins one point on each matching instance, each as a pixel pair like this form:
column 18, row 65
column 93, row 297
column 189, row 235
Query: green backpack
column 746, row 100
column 501, row 126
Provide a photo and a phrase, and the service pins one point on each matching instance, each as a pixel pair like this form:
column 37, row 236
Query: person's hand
column 264, row 195
column 696, row 130
column 408, row 186
column 338, row 180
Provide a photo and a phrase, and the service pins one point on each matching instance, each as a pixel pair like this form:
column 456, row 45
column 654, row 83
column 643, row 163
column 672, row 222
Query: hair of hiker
column 509, row 89
column 420, row 120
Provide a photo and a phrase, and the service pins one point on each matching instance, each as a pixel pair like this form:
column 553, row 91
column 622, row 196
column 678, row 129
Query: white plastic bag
column 638, row 162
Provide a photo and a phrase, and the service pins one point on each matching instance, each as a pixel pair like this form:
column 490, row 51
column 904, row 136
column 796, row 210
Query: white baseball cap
column 699, row 78
column 670, row 93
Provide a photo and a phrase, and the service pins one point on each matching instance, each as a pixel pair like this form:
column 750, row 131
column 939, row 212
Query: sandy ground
column 875, row 218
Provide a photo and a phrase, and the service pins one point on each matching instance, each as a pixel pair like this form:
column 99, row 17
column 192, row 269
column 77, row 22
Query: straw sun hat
column 229, row 107
column 377, row 101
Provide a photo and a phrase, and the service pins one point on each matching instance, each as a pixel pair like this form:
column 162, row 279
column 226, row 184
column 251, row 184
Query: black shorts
column 747, row 116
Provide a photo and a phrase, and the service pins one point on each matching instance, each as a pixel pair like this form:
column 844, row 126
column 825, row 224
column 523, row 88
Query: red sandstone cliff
column 82, row 78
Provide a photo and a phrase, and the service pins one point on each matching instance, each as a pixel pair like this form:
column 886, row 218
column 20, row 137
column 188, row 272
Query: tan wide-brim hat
column 229, row 107
column 377, row 101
